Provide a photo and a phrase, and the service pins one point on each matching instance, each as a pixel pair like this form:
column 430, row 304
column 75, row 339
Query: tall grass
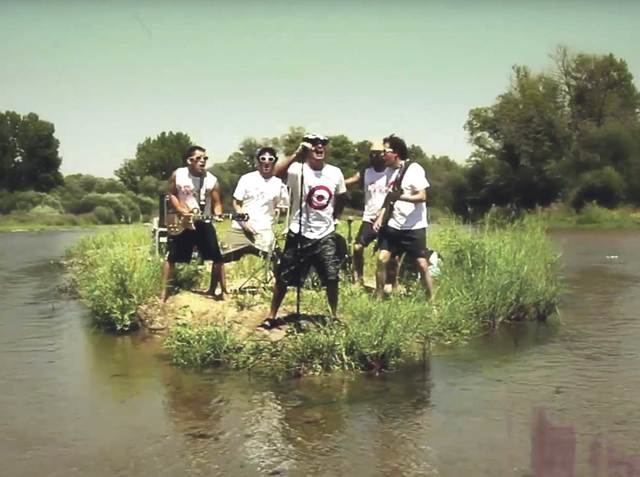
column 497, row 273
column 114, row 273
column 488, row 276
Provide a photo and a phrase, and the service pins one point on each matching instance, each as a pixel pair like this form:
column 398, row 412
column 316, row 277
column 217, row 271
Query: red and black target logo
column 319, row 197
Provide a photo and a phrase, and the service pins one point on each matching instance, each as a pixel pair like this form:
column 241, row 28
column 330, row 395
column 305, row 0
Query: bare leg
column 358, row 263
column 213, row 283
column 392, row 273
column 279, row 292
column 222, row 278
column 427, row 281
column 167, row 273
column 381, row 272
column 332, row 297
column 218, row 276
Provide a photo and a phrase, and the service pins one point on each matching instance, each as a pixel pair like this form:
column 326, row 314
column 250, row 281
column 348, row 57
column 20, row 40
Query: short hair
column 398, row 145
column 261, row 150
column 189, row 152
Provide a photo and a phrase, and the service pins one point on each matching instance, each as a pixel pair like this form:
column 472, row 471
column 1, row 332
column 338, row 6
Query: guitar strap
column 398, row 182
column 201, row 200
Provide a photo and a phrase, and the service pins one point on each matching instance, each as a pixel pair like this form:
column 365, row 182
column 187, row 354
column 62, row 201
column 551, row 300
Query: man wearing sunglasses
column 193, row 187
column 311, row 235
column 259, row 194
column 406, row 230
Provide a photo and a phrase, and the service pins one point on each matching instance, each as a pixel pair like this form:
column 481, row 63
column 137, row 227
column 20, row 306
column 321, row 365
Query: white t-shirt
column 409, row 215
column 375, row 190
column 319, row 192
column 260, row 197
column 188, row 185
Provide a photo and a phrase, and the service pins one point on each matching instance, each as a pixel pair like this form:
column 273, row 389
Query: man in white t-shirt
column 259, row 194
column 313, row 223
column 193, row 187
column 374, row 181
column 406, row 230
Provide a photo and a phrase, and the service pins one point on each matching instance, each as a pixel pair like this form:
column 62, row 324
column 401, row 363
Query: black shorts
column 203, row 238
column 321, row 253
column 411, row 242
column 366, row 234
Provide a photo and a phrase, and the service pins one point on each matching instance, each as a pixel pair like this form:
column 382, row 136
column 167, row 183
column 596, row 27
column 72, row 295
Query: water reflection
column 79, row 402
column 304, row 426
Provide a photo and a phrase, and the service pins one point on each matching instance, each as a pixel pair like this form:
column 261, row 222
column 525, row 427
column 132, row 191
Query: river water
column 77, row 402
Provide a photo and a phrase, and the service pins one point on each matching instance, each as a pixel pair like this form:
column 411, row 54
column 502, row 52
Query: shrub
column 105, row 215
column 115, row 273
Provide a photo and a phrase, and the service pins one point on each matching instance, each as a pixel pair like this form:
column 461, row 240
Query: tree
column 156, row 157
column 29, row 156
column 526, row 132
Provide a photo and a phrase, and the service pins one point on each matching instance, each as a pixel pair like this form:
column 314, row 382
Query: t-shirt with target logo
column 319, row 192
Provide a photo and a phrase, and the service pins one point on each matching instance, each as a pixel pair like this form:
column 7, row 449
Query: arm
column 281, row 167
column 237, row 207
column 354, row 179
column 340, row 203
column 414, row 197
column 216, row 200
column 173, row 197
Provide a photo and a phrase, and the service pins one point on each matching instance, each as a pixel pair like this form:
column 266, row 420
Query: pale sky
column 110, row 73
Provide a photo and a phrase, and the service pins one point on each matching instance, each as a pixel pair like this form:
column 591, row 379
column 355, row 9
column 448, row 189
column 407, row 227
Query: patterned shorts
column 320, row 253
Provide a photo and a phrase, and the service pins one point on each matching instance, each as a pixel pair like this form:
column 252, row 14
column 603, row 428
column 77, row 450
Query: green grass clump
column 489, row 275
column 202, row 346
column 496, row 274
column 114, row 273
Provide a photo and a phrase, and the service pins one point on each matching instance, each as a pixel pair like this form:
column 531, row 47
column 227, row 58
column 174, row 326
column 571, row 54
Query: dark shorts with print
column 203, row 238
column 366, row 234
column 411, row 242
column 321, row 253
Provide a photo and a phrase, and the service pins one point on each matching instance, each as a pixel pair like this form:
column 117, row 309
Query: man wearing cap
column 311, row 235
column 258, row 194
column 373, row 181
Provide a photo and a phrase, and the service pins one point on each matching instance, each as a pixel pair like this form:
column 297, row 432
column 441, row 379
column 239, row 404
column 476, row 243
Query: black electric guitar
column 177, row 223
column 389, row 202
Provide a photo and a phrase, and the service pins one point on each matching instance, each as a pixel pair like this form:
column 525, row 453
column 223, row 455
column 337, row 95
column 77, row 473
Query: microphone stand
column 299, row 241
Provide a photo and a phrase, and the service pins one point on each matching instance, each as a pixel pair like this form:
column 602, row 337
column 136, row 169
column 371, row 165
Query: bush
column 124, row 208
column 604, row 186
column 26, row 201
column 105, row 215
column 115, row 273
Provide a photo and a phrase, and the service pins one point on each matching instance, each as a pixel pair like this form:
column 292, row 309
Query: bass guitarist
column 402, row 221
column 193, row 189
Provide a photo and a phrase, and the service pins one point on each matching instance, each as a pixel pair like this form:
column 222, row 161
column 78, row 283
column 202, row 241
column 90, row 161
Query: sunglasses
column 267, row 158
column 318, row 142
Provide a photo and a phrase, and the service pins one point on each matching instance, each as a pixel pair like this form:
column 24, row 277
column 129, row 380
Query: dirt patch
column 244, row 312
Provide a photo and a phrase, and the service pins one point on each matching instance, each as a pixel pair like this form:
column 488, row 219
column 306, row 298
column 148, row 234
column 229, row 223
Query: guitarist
column 191, row 188
column 402, row 222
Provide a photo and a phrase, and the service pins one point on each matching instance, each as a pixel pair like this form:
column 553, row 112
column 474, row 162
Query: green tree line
column 569, row 134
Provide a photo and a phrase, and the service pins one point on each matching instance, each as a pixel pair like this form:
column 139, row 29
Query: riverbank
column 488, row 277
